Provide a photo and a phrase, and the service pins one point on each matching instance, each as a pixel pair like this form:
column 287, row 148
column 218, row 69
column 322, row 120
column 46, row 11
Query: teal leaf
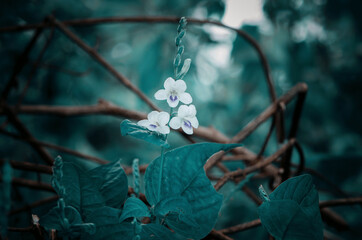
column 185, row 68
column 134, row 130
column 69, row 225
column 108, row 226
column 91, row 198
column 183, row 176
column 177, row 213
column 293, row 210
column 134, row 207
column 112, row 183
column 69, row 182
column 154, row 231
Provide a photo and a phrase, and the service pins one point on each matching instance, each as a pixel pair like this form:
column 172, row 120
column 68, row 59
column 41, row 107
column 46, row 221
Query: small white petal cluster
column 156, row 121
column 174, row 93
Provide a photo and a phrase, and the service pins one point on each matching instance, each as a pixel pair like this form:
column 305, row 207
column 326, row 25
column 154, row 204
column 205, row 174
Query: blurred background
column 318, row 42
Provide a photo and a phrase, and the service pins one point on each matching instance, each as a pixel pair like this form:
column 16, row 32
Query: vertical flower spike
column 157, row 121
column 186, row 119
column 174, row 92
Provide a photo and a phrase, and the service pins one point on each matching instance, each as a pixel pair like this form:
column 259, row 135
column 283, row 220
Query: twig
column 34, row 205
column 340, row 202
column 256, row 167
column 32, row 184
column 127, row 83
column 241, row 227
column 217, row 235
column 56, row 147
column 20, row 63
column 25, row 132
column 29, row 166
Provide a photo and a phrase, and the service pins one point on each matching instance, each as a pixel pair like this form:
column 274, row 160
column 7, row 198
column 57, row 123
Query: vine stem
column 160, row 176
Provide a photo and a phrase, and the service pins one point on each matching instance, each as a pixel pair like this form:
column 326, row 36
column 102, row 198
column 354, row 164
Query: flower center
column 187, row 124
column 173, row 97
column 153, row 126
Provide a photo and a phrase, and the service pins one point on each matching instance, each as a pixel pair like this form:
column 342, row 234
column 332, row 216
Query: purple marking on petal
column 187, row 124
column 153, row 126
column 173, row 98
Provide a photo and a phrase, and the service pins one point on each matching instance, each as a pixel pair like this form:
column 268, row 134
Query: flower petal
column 152, row 127
column 187, row 128
column 161, row 94
column 192, row 111
column 179, row 86
column 174, row 102
column 144, row 123
column 163, row 118
column 175, row 123
column 182, row 111
column 185, row 98
column 194, row 122
column 168, row 84
column 163, row 129
column 153, row 116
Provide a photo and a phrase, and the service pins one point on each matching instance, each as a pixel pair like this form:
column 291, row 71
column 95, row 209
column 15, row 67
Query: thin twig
column 29, row 166
column 340, row 202
column 34, row 205
column 241, row 227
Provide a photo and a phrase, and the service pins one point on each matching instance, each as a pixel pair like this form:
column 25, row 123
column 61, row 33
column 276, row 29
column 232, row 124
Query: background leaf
column 293, row 210
column 108, row 226
column 183, row 175
column 134, row 207
column 112, row 183
column 134, row 130
column 154, row 231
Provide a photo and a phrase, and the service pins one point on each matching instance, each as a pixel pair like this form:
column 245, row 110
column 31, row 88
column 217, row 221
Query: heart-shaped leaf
column 107, row 225
column 134, row 207
column 134, row 130
column 112, row 183
column 91, row 198
column 293, row 210
column 183, row 176
column 154, row 231
column 68, row 223
column 177, row 213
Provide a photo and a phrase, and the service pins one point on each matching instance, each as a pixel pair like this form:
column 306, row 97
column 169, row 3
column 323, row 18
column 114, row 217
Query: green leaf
column 183, row 176
column 71, row 184
column 154, row 231
column 134, row 130
column 91, row 198
column 177, row 213
column 107, row 225
column 68, row 225
column 293, row 210
column 185, row 68
column 112, row 183
column 134, row 207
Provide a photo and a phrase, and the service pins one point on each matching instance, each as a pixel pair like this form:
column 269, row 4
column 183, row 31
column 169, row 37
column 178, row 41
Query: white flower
column 174, row 92
column 157, row 121
column 186, row 119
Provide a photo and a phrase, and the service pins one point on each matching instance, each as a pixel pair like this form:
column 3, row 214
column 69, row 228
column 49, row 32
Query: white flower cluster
column 174, row 93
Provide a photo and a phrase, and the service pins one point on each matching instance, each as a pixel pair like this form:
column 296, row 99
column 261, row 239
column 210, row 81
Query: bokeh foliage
column 314, row 41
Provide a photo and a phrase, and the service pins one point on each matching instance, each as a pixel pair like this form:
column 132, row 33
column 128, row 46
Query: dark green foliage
column 293, row 211
column 134, row 207
column 183, row 178
column 134, row 130
column 5, row 197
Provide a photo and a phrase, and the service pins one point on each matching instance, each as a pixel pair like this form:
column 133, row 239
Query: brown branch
column 256, row 122
column 29, row 166
column 32, row 184
column 56, row 147
column 256, row 167
column 95, row 55
column 241, row 227
column 34, row 205
column 16, row 229
column 19, row 65
column 217, row 235
column 340, row 202
column 26, row 133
